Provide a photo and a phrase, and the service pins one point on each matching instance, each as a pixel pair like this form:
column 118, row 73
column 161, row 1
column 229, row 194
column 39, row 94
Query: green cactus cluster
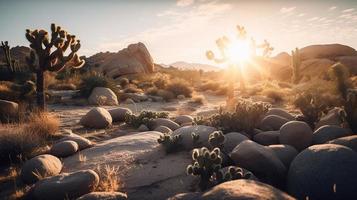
column 170, row 143
column 216, row 139
column 11, row 64
column 206, row 164
column 296, row 65
column 145, row 117
column 233, row 173
column 48, row 54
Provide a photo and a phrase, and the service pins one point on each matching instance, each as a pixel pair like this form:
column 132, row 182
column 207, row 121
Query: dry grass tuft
column 274, row 94
column 199, row 99
column 109, row 179
column 179, row 87
column 21, row 140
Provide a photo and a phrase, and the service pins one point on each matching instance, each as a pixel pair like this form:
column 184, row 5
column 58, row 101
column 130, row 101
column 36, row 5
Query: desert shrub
column 350, row 107
column 109, row 179
column 91, row 80
column 245, row 118
column 63, row 86
column 284, row 85
column 200, row 99
column 19, row 141
column 145, row 117
column 160, row 82
column 312, row 106
column 340, row 75
column 213, row 86
column 274, row 94
column 179, row 87
column 131, row 88
column 152, row 91
column 123, row 82
column 166, row 95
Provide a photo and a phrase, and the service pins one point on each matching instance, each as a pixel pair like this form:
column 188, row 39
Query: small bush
column 198, row 100
column 180, row 87
column 166, row 95
column 92, row 80
column 131, row 88
column 145, row 117
column 109, row 179
column 274, row 94
column 123, row 82
column 245, row 118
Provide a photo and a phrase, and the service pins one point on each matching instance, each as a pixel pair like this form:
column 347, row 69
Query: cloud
column 285, row 10
column 332, row 8
column 301, row 14
column 348, row 10
column 313, row 19
column 184, row 3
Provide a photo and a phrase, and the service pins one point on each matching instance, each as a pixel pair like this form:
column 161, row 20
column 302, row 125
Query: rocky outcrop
column 329, row 51
column 131, row 60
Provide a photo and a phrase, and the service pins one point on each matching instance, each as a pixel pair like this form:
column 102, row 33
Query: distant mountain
column 193, row 66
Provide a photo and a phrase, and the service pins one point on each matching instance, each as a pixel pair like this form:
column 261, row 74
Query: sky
column 182, row 30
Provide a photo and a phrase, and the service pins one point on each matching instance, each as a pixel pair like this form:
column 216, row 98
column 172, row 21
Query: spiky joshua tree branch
column 48, row 54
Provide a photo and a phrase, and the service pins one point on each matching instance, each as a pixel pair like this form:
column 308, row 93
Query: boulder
column 131, row 60
column 103, row 97
column 285, row 153
column 41, row 166
column 163, row 129
column 297, row 134
column 164, row 122
column 350, row 62
column 325, row 171
column 136, row 97
column 243, row 190
column 96, row 118
column 82, row 142
column 186, row 196
column 315, row 68
column 143, row 128
column 64, row 148
column 333, row 117
column 118, row 114
column 260, row 160
column 329, row 132
column 182, row 119
column 267, row 138
column 272, row 123
column 348, row 141
column 281, row 113
column 186, row 134
column 104, row 196
column 232, row 140
column 330, row 51
column 66, row 185
column 8, row 110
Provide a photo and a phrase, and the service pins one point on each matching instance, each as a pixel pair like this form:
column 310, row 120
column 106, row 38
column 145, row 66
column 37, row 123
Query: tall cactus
column 295, row 64
column 10, row 63
column 47, row 54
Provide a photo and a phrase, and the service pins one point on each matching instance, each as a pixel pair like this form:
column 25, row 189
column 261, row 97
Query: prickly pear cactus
column 216, row 139
column 206, row 164
column 170, row 143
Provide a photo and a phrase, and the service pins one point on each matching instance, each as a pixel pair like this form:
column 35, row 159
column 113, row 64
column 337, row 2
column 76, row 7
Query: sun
column 239, row 51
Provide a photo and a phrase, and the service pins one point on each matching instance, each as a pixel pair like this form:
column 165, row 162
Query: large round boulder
column 41, row 166
column 183, row 119
column 164, row 122
column 232, row 140
column 280, row 112
column 297, row 134
column 285, row 153
column 330, row 51
column 325, row 171
column 64, row 148
column 66, row 185
column 329, row 132
column 267, row 138
column 200, row 130
column 82, row 142
column 103, row 97
column 243, row 190
column 272, row 123
column 104, row 196
column 96, row 118
column 260, row 160
column 349, row 141
column 118, row 114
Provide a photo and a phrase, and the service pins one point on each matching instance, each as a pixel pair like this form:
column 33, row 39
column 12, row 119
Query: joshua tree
column 295, row 64
column 11, row 63
column 267, row 49
column 47, row 54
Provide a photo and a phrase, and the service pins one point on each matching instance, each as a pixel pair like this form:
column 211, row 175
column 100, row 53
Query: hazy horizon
column 183, row 30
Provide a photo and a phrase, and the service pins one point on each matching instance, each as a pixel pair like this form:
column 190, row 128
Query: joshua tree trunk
column 40, row 82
